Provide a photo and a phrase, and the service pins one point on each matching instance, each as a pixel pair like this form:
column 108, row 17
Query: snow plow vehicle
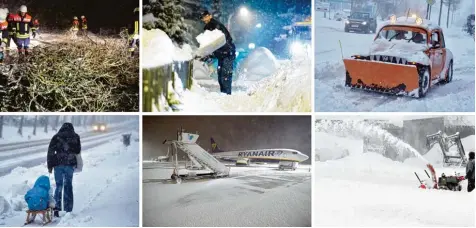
column 300, row 38
column 407, row 57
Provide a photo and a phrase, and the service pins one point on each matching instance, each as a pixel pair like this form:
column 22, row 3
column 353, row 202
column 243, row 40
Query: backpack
column 37, row 198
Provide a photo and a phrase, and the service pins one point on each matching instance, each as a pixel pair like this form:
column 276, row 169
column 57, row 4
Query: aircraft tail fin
column 214, row 145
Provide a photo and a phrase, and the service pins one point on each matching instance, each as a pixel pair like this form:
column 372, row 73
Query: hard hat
column 23, row 9
column 82, row 16
column 75, row 18
column 136, row 10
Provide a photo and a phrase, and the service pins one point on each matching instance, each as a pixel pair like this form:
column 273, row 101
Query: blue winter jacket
column 37, row 198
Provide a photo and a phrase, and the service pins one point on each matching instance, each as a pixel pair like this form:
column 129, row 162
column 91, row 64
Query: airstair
column 203, row 163
column 450, row 157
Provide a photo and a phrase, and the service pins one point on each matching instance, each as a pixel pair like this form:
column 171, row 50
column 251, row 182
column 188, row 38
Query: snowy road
column 108, row 167
column 331, row 95
column 250, row 197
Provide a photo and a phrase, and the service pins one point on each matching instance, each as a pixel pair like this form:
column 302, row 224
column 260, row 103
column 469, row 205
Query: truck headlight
column 364, row 23
column 95, row 127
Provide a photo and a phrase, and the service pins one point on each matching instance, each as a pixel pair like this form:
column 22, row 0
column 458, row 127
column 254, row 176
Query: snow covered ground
column 106, row 192
column 282, row 88
column 251, row 196
column 377, row 191
column 331, row 95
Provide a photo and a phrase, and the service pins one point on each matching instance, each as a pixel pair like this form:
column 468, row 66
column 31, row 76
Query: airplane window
column 294, row 152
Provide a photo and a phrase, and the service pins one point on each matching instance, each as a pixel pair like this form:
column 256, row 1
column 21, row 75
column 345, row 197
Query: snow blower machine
column 451, row 183
column 407, row 57
column 451, row 147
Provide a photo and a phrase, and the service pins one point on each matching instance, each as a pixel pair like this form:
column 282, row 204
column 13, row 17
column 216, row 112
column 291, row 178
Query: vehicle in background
column 361, row 22
column 99, row 127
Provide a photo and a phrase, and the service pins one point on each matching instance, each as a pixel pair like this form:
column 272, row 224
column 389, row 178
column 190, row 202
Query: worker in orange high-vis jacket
column 84, row 25
column 11, row 31
column 4, row 32
column 75, row 27
column 23, row 24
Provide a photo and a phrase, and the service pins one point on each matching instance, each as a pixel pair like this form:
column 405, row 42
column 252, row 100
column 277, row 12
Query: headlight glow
column 95, row 127
column 364, row 23
column 251, row 46
column 347, row 21
column 103, row 127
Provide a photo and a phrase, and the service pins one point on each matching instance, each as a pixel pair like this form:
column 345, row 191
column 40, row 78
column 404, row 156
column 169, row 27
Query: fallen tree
column 73, row 77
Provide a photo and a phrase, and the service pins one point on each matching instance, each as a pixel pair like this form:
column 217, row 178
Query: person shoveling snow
column 40, row 201
column 217, row 44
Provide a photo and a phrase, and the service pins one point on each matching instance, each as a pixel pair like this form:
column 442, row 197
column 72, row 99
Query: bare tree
column 46, row 122
column 1, row 127
column 55, row 126
column 20, row 128
column 34, row 125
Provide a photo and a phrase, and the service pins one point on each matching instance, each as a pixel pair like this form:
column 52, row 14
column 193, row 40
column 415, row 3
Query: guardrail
column 156, row 82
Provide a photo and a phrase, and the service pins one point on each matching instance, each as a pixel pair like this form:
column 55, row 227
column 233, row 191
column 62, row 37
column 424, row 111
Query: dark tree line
column 58, row 14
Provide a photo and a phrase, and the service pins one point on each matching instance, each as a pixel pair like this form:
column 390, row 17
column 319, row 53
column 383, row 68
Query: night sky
column 230, row 132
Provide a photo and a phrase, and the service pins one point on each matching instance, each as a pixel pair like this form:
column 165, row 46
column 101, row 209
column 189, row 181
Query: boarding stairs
column 202, row 157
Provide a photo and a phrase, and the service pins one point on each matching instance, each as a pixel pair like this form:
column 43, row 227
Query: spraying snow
column 360, row 129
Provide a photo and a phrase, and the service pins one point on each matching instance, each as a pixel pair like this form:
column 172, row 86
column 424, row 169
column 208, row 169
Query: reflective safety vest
column 23, row 26
column 4, row 31
column 84, row 23
column 75, row 25
column 11, row 23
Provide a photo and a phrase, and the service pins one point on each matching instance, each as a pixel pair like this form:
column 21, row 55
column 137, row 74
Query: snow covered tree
column 168, row 17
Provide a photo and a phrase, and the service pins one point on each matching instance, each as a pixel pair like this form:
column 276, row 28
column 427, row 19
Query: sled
column 46, row 216
column 382, row 76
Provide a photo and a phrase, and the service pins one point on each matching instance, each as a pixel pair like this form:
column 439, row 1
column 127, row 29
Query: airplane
column 287, row 158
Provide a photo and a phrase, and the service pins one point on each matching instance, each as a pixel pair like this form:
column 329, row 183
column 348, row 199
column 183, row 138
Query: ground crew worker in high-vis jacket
column 23, row 24
column 134, row 33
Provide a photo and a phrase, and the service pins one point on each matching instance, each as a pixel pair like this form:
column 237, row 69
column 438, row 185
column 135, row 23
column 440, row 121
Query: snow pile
column 210, row 41
column 159, row 49
column 331, row 147
column 360, row 129
column 259, row 64
column 412, row 52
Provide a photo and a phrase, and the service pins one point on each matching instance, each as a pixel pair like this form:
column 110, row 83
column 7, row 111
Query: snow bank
column 210, row 41
column 331, row 147
column 159, row 49
column 259, row 64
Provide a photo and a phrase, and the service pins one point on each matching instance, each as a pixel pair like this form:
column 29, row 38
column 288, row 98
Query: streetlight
column 258, row 25
column 244, row 13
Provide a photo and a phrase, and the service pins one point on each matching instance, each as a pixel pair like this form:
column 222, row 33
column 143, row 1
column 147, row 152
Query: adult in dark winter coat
column 470, row 172
column 64, row 147
column 225, row 55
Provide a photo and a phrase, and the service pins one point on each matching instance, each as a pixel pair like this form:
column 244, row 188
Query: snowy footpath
column 106, row 192
column 331, row 95
column 354, row 188
column 251, row 196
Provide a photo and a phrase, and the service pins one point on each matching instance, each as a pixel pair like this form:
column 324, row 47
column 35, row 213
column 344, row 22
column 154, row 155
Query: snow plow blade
column 383, row 77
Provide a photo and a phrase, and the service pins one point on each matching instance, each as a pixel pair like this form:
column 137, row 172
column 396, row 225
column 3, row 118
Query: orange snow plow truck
column 407, row 57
